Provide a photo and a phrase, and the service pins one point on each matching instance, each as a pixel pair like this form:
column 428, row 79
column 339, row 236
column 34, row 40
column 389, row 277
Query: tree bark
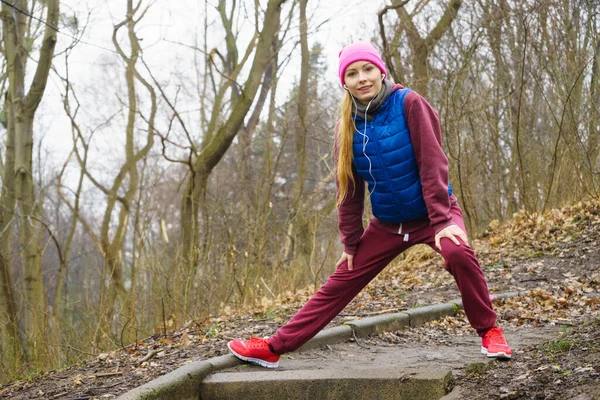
column 23, row 107
column 421, row 47
column 12, row 350
column 301, row 234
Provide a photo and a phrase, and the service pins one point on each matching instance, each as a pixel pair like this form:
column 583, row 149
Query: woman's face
column 363, row 80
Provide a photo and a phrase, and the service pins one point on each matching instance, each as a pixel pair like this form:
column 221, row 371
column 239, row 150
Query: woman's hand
column 452, row 232
column 346, row 257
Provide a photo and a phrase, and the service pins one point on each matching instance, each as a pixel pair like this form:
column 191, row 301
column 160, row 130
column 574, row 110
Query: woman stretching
column 389, row 137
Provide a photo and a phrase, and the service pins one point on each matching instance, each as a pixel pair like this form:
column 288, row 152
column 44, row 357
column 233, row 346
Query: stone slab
column 332, row 384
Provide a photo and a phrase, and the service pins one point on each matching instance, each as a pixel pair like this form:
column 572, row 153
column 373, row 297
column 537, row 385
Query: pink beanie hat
column 359, row 51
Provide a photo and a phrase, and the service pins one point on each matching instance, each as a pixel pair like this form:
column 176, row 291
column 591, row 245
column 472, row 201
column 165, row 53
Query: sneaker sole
column 495, row 355
column 256, row 361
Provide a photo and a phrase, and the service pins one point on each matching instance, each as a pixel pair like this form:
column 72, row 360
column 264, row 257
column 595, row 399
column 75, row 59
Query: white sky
column 167, row 23
column 181, row 22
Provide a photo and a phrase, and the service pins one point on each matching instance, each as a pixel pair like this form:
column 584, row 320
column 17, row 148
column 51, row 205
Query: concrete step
column 330, row 384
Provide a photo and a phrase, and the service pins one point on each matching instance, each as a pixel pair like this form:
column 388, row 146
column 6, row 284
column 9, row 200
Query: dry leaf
column 78, row 380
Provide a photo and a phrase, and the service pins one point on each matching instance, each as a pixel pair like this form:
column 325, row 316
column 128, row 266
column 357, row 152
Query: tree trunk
column 35, row 308
column 22, row 109
column 11, row 351
column 301, row 236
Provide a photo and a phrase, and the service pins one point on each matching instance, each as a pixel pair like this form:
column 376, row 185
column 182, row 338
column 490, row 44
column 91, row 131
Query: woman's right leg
column 376, row 249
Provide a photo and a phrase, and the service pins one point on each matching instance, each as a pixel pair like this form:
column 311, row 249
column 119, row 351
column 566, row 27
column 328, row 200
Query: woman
column 389, row 137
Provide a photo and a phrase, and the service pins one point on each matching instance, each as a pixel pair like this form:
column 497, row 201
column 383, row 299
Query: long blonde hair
column 345, row 135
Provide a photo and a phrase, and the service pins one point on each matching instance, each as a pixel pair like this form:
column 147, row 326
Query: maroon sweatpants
column 377, row 248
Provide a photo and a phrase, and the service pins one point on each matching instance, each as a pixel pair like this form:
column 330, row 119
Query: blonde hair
column 345, row 135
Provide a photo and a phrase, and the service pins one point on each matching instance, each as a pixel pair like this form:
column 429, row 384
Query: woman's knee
column 454, row 254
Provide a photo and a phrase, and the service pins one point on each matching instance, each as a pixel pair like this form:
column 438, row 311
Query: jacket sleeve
column 425, row 134
column 350, row 211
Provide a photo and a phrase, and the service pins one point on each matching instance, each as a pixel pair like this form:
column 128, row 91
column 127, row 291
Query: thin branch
column 386, row 48
column 172, row 107
column 49, row 25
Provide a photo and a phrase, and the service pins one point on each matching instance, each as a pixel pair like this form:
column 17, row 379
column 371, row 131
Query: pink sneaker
column 255, row 351
column 493, row 344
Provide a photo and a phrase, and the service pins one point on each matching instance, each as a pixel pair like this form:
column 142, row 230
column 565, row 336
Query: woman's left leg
column 462, row 264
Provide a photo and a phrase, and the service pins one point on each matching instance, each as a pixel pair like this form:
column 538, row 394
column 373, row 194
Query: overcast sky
column 170, row 22
column 167, row 31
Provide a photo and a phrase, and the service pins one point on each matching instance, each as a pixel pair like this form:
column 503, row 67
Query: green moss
column 557, row 345
column 477, row 368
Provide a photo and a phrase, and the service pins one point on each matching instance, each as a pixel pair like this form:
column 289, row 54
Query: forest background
column 149, row 183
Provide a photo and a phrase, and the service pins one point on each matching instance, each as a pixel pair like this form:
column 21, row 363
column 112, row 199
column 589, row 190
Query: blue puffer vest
column 385, row 159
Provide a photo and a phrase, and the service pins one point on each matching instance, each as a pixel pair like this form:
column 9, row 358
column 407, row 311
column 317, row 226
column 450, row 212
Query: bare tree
column 420, row 47
column 121, row 194
column 220, row 133
column 18, row 199
column 301, row 235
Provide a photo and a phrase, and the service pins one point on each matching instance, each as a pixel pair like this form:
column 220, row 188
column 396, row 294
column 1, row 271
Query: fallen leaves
column 79, row 379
